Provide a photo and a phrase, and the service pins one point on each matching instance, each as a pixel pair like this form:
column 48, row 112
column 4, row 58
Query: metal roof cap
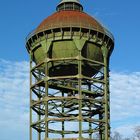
column 64, row 1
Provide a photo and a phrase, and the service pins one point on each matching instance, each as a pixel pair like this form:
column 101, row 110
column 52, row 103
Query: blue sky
column 18, row 18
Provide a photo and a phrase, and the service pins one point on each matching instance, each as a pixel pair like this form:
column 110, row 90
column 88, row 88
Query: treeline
column 118, row 136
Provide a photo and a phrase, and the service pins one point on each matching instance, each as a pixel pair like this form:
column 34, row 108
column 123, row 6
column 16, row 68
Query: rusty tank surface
column 67, row 31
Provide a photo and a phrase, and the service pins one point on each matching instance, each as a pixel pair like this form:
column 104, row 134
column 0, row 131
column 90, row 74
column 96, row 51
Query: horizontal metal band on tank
column 106, row 31
column 90, row 32
column 75, row 58
column 65, row 59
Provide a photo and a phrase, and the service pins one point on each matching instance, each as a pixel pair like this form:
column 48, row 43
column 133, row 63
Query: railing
column 32, row 33
column 108, row 33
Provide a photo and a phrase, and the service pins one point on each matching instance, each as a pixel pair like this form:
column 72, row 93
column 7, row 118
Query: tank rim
column 107, row 32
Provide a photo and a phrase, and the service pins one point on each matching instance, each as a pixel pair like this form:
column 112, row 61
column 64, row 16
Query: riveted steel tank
column 66, row 33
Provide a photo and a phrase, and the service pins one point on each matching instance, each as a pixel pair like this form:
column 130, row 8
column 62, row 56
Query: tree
column 116, row 136
column 127, row 139
column 137, row 133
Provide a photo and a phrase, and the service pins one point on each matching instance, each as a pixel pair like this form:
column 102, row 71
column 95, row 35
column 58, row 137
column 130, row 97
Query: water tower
column 69, row 76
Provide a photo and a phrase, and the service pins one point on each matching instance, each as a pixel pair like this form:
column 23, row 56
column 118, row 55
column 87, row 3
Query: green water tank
column 65, row 34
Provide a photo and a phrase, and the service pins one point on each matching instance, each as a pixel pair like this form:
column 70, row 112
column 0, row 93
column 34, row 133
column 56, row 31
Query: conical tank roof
column 67, row 16
column 70, row 18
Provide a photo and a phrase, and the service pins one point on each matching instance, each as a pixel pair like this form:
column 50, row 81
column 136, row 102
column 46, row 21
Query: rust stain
column 69, row 19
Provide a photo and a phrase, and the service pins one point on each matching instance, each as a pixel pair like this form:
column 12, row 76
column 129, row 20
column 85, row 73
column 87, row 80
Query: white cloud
column 125, row 97
column 14, row 100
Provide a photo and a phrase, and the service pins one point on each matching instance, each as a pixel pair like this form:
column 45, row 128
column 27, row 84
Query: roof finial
column 63, row 1
column 70, row 0
column 69, row 5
